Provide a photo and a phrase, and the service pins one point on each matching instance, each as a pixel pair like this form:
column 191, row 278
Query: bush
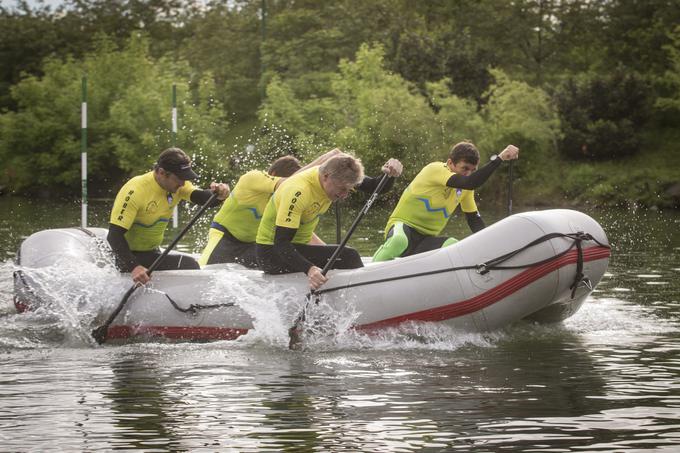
column 129, row 105
column 602, row 116
column 378, row 115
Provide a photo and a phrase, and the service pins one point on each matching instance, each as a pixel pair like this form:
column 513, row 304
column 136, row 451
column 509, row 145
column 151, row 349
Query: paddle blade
column 100, row 333
column 295, row 332
column 295, row 337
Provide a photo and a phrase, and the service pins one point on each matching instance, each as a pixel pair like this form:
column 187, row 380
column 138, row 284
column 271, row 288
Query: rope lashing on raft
column 195, row 308
column 494, row 264
column 191, row 309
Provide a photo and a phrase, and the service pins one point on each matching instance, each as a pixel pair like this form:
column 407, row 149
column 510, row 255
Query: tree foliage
column 129, row 104
column 603, row 115
column 382, row 77
column 377, row 114
column 669, row 100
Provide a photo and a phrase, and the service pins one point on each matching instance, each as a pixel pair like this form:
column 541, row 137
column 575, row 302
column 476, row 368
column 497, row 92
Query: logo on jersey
column 151, row 207
column 292, row 205
column 125, row 205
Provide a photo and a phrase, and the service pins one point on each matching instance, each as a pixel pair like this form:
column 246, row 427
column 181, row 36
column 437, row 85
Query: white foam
column 74, row 292
column 613, row 319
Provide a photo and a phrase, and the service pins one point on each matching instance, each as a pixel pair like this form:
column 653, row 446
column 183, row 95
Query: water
column 605, row 380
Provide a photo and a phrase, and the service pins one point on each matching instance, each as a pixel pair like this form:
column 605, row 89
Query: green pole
column 175, row 212
column 83, row 153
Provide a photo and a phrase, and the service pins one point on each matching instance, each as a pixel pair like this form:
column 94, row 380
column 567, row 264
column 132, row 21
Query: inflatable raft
column 539, row 265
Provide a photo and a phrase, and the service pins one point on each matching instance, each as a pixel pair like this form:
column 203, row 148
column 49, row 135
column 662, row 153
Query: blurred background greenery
column 589, row 90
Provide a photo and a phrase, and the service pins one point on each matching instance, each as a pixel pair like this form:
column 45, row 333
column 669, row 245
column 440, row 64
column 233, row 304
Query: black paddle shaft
column 99, row 334
column 338, row 226
column 363, row 212
column 510, row 177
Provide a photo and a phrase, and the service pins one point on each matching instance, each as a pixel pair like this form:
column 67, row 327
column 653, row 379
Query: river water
column 606, row 380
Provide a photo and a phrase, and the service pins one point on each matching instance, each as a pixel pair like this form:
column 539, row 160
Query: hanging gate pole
column 83, row 154
column 175, row 212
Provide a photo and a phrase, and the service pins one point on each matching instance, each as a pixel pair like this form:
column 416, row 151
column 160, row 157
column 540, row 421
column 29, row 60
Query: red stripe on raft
column 495, row 294
column 21, row 306
column 176, row 332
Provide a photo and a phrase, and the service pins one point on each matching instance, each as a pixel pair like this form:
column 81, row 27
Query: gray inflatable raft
column 539, row 265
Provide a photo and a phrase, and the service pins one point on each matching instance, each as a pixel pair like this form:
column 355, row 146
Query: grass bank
column 649, row 179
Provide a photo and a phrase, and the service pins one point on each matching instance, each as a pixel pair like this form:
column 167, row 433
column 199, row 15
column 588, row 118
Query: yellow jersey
column 242, row 212
column 144, row 208
column 297, row 204
column 427, row 203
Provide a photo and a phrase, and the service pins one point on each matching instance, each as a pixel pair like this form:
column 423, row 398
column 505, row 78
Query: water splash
column 609, row 318
column 266, row 302
column 72, row 294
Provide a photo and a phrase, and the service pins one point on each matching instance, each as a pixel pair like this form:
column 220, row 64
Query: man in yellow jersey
column 231, row 238
column 143, row 208
column 428, row 202
column 292, row 214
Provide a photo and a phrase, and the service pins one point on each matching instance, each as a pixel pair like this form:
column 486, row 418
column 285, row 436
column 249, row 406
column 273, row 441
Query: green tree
column 27, row 35
column 225, row 43
column 519, row 114
column 602, row 116
column 369, row 111
column 129, row 119
column 637, row 31
column 669, row 101
column 31, row 32
column 378, row 114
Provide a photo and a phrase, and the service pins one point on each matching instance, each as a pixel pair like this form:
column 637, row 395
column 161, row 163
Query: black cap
column 174, row 160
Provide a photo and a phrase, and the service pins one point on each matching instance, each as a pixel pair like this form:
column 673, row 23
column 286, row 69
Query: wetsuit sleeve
column 475, row 221
column 125, row 259
column 476, row 179
column 201, row 196
column 287, row 252
column 369, row 184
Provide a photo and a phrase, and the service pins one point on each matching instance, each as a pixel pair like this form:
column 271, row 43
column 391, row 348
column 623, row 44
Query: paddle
column 338, row 232
column 510, row 189
column 100, row 333
column 295, row 331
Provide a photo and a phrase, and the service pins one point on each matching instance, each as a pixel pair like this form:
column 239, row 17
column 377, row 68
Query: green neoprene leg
column 449, row 241
column 394, row 246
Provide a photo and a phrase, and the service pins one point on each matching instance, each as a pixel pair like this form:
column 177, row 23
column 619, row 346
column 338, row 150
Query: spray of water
column 72, row 294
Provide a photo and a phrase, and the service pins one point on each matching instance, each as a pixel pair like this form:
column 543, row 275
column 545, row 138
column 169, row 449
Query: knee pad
column 394, row 246
column 449, row 241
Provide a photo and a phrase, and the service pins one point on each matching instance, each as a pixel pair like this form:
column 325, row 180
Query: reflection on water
column 605, row 380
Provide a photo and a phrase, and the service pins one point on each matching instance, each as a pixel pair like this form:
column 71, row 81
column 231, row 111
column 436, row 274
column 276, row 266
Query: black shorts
column 174, row 260
column 270, row 261
column 231, row 250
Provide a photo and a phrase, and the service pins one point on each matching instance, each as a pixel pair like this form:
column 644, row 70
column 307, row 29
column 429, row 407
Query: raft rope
column 580, row 278
column 195, row 308
column 86, row 231
column 494, row 264
column 191, row 309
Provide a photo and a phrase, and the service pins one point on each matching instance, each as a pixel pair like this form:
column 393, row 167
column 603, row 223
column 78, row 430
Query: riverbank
column 650, row 179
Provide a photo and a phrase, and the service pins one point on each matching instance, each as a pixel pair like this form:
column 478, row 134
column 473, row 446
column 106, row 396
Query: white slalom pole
column 175, row 213
column 83, row 155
